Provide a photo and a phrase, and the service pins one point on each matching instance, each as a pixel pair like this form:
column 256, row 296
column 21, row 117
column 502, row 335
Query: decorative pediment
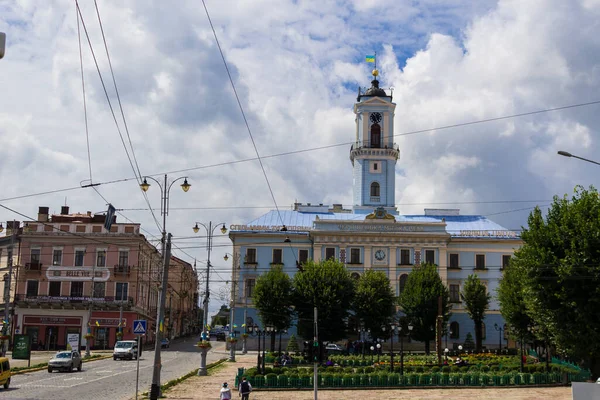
column 380, row 213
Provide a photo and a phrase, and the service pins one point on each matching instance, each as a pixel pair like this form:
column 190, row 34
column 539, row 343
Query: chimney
column 64, row 210
column 89, row 213
column 43, row 214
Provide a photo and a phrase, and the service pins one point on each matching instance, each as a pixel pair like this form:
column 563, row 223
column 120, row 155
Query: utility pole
column 315, row 362
column 231, row 328
column 121, row 312
column 207, row 293
column 155, row 388
column 9, row 262
column 89, row 329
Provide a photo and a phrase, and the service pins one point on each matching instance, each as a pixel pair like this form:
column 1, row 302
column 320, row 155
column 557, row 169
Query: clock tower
column 374, row 154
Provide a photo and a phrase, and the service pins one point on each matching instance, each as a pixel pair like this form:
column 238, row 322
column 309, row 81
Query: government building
column 374, row 234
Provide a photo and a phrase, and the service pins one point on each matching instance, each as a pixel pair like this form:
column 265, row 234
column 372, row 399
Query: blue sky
column 296, row 66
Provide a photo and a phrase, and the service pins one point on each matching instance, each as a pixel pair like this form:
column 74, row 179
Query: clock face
column 380, row 255
column 376, row 118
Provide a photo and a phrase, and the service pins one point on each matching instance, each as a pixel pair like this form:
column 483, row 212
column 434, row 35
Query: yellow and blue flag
column 97, row 323
column 161, row 326
column 370, row 59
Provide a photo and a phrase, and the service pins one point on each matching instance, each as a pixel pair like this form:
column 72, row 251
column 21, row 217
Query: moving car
column 127, row 349
column 4, row 372
column 65, row 361
column 164, row 343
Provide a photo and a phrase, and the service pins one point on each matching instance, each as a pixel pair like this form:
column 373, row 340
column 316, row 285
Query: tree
column 419, row 301
column 511, row 296
column 273, row 299
column 477, row 301
column 292, row 346
column 374, row 302
column 326, row 285
column 560, row 260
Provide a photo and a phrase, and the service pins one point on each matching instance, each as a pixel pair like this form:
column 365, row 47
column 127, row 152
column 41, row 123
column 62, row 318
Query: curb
column 35, row 369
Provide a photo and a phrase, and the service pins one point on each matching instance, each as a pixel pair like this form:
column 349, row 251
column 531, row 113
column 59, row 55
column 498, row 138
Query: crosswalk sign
column 139, row 326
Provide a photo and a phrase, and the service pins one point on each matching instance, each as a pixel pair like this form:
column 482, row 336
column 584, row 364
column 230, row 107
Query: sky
column 296, row 66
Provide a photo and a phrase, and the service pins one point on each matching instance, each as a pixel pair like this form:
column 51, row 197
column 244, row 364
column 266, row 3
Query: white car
column 334, row 348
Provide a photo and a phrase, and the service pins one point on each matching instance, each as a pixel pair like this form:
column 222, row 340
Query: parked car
column 164, row 343
column 65, row 361
column 333, row 348
column 4, row 372
column 222, row 335
column 127, row 349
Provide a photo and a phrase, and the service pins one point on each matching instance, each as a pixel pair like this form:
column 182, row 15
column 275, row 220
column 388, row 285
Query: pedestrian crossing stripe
column 139, row 328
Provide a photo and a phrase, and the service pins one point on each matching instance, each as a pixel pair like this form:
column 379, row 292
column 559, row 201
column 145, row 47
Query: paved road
column 108, row 379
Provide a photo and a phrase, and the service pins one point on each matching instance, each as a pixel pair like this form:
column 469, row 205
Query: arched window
column 374, row 189
column 402, row 281
column 454, row 330
column 375, row 136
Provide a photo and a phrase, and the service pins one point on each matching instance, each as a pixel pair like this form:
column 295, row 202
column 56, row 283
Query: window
column 329, row 253
column 430, row 256
column 375, row 136
column 375, row 189
column 505, row 260
column 32, row 288
column 277, row 256
column 100, row 289
column 79, row 255
column 375, row 166
column 57, row 257
column 123, row 258
column 250, row 256
column 453, row 261
column 76, row 289
column 354, row 256
column 121, row 292
column 101, row 258
column 454, row 330
column 454, row 293
column 250, row 287
column 480, row 261
column 404, row 257
column 35, row 256
column 54, row 289
column 402, row 282
column 302, row 255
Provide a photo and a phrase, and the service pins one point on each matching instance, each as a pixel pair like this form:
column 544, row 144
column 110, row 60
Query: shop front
column 49, row 332
column 106, row 328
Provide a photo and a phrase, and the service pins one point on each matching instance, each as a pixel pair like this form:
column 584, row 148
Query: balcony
column 33, row 266
column 385, row 151
column 122, row 270
column 375, row 199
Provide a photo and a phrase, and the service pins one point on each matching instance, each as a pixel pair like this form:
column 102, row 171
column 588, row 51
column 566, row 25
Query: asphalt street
column 109, row 379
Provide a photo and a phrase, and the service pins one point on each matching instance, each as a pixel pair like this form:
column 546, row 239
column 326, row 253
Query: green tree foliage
column 468, row 344
column 292, row 346
column 511, row 296
column 326, row 285
column 419, row 301
column 273, row 298
column 477, row 301
column 374, row 302
column 560, row 264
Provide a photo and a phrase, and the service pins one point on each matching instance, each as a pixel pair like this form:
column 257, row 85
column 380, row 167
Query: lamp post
column 164, row 211
column 446, row 354
column 393, row 327
column 499, row 329
column 210, row 229
column 268, row 329
column 235, row 266
column 567, row 154
column 372, row 349
column 410, row 328
column 378, row 351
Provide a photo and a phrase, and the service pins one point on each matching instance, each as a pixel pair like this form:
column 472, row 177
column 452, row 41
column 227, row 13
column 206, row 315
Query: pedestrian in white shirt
column 225, row 392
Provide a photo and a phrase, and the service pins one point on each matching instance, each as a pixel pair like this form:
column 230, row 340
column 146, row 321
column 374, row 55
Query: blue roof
column 456, row 225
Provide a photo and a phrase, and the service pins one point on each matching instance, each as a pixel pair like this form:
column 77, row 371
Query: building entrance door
column 51, row 337
column 33, row 332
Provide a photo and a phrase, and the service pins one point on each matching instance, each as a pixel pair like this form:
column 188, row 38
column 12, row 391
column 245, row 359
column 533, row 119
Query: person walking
column 225, row 393
column 245, row 389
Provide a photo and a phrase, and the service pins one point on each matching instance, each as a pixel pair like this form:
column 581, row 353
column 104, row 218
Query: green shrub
column 369, row 370
column 419, row 369
column 348, row 370
column 435, row 369
column 485, row 368
column 409, row 369
column 495, row 368
column 446, row 369
column 454, row 369
column 277, row 370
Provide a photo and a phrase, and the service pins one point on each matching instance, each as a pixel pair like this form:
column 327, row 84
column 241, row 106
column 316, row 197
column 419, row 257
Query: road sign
column 139, row 326
column 110, row 213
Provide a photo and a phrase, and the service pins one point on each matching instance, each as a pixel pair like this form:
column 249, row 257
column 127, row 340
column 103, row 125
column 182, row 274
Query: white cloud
column 297, row 66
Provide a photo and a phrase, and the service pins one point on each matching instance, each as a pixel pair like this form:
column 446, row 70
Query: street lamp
column 254, row 330
column 210, row 229
column 372, row 349
column 378, row 351
column 268, row 329
column 393, row 327
column 567, row 154
column 448, row 333
column 499, row 329
column 164, row 211
column 410, row 328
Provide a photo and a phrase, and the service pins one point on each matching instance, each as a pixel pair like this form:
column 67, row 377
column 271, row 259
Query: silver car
column 65, row 361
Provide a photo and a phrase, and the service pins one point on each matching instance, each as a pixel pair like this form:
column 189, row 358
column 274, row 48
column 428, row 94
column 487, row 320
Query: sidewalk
column 203, row 387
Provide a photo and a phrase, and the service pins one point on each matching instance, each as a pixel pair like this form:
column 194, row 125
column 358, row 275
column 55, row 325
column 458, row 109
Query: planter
column 203, row 344
column 88, row 336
